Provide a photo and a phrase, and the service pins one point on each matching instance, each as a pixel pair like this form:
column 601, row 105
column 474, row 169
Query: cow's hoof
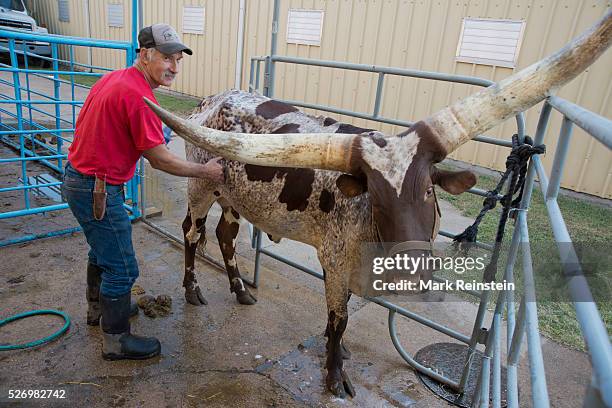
column 245, row 297
column 195, row 297
column 346, row 354
column 340, row 387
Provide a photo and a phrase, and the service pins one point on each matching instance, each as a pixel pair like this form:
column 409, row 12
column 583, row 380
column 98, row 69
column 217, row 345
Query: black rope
column 516, row 169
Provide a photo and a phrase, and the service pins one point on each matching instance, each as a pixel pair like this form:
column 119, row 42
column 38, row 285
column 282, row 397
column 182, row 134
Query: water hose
column 6, row 347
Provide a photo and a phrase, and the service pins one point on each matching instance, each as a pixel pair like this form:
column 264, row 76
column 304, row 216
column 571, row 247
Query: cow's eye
column 429, row 192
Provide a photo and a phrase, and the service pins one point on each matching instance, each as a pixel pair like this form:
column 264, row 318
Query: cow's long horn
column 329, row 151
column 481, row 111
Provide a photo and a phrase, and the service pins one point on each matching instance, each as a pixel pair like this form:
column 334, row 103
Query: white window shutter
column 193, row 20
column 490, row 42
column 305, row 27
column 114, row 14
column 63, row 10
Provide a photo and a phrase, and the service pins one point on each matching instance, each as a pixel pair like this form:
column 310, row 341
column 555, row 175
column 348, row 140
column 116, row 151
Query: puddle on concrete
column 301, row 371
column 400, row 391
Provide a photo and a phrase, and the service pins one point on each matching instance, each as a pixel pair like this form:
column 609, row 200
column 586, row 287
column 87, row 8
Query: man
column 114, row 129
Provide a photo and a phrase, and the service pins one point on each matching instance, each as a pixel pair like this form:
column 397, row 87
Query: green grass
column 87, row 80
column 181, row 105
column 587, row 223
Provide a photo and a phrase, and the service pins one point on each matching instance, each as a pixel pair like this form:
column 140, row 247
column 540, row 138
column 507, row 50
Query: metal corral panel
column 399, row 33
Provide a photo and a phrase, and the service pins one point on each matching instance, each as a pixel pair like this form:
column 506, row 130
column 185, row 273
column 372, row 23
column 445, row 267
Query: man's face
column 162, row 68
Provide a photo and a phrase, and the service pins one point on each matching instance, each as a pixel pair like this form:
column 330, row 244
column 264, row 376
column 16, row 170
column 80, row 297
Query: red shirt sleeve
column 145, row 128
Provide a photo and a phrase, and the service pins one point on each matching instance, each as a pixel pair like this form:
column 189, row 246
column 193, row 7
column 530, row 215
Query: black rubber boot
column 92, row 293
column 118, row 343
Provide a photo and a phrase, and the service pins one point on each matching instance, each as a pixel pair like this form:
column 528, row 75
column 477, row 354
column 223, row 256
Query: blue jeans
column 110, row 239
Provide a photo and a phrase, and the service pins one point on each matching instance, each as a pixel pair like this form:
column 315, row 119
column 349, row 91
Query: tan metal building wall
column 88, row 18
column 46, row 12
column 212, row 66
column 399, row 33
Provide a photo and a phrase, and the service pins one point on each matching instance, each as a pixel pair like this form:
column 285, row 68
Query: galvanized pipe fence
column 599, row 393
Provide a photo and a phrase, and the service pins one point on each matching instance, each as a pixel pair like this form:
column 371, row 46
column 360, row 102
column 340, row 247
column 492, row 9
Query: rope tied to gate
column 516, row 168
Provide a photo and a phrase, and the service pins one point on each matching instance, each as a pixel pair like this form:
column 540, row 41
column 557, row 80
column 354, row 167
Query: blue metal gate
column 39, row 135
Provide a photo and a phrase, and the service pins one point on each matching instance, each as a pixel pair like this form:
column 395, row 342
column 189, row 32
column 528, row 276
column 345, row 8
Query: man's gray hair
column 149, row 55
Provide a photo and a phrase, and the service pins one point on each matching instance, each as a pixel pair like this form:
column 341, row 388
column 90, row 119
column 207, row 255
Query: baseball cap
column 163, row 38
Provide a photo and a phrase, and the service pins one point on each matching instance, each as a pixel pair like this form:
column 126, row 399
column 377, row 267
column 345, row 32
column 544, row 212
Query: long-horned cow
column 334, row 186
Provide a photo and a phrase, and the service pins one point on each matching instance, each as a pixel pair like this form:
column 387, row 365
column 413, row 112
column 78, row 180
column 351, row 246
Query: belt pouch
column 99, row 199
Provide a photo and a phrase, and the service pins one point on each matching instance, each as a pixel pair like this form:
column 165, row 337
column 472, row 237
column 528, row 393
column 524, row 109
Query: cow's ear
column 454, row 182
column 351, row 186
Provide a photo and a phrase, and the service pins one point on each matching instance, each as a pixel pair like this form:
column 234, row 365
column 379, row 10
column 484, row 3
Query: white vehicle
column 14, row 16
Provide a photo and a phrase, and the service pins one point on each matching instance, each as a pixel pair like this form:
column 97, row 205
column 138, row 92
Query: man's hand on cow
column 214, row 171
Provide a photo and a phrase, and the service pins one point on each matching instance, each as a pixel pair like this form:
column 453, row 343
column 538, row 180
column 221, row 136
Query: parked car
column 14, row 15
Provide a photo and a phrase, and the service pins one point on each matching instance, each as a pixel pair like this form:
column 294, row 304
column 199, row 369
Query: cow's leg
column 346, row 354
column 336, row 294
column 194, row 235
column 227, row 230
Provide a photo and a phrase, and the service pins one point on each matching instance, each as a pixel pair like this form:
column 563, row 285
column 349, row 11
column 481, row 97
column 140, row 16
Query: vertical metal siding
column 399, row 33
column 47, row 12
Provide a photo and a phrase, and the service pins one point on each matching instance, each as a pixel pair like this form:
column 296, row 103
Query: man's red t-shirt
column 114, row 127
